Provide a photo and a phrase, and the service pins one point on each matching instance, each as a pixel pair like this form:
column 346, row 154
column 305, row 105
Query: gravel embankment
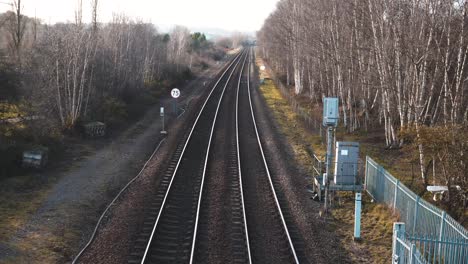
column 321, row 244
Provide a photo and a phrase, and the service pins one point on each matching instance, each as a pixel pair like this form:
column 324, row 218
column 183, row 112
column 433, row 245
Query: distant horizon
column 166, row 28
column 217, row 16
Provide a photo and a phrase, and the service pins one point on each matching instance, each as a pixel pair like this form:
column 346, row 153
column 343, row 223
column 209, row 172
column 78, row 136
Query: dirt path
column 66, row 217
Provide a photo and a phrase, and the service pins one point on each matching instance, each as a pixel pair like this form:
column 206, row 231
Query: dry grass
column 10, row 111
column 290, row 125
column 26, row 200
column 377, row 221
column 376, row 229
column 20, row 197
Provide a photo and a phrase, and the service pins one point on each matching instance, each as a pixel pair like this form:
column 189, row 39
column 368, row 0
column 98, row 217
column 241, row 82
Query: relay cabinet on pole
column 330, row 111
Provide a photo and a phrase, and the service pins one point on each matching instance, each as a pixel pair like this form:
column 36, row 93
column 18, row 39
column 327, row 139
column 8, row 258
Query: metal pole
column 357, row 217
column 328, row 165
column 163, row 131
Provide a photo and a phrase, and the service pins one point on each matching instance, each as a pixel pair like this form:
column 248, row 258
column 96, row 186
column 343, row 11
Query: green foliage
column 199, row 37
column 198, row 41
column 166, row 38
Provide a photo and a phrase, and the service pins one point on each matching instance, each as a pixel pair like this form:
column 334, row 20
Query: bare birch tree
column 394, row 64
column 16, row 27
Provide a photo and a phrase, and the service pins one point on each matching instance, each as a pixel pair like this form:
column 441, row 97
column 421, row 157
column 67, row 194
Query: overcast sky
column 233, row 15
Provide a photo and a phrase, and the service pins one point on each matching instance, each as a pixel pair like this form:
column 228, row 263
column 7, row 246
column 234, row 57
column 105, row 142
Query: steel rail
column 206, row 160
column 239, row 165
column 237, row 58
column 293, row 251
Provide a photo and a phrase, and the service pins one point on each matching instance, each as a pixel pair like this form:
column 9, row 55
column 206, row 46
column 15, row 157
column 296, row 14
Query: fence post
column 416, row 208
column 379, row 182
column 411, row 256
column 395, row 195
column 441, row 234
column 366, row 172
column 398, row 232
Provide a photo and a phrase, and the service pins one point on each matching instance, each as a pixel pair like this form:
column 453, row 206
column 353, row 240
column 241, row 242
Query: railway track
column 222, row 230
column 217, row 201
column 273, row 242
column 169, row 231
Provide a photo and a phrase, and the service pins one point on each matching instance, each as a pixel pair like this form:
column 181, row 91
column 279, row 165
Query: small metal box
column 36, row 158
column 346, row 165
column 95, row 129
column 330, row 111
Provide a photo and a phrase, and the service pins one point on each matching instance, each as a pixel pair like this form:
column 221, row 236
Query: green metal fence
column 423, row 220
column 441, row 251
column 403, row 250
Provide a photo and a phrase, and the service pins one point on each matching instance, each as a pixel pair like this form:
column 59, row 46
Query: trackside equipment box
column 36, row 157
column 330, row 111
column 346, row 165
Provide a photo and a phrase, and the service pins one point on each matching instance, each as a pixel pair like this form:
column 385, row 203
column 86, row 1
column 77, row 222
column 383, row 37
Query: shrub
column 114, row 111
column 9, row 82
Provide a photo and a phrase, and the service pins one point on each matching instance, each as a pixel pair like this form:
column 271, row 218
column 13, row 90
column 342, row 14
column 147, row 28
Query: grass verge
column 20, row 197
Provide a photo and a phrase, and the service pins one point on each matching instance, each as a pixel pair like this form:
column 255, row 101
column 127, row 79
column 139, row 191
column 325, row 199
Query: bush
column 10, row 159
column 15, row 138
column 114, row 111
column 9, row 82
column 186, row 74
column 156, row 88
column 204, row 65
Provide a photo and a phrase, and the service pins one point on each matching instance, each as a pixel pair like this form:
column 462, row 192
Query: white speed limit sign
column 175, row 93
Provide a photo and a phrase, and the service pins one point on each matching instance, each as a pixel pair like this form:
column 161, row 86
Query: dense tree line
column 71, row 71
column 396, row 64
column 55, row 78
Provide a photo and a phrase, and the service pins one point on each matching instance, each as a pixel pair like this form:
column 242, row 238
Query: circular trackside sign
column 175, row 93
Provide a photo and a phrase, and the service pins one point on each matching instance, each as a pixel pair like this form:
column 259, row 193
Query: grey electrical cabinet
column 346, row 164
column 330, row 111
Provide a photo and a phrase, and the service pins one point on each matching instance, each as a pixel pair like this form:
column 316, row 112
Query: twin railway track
column 217, row 201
